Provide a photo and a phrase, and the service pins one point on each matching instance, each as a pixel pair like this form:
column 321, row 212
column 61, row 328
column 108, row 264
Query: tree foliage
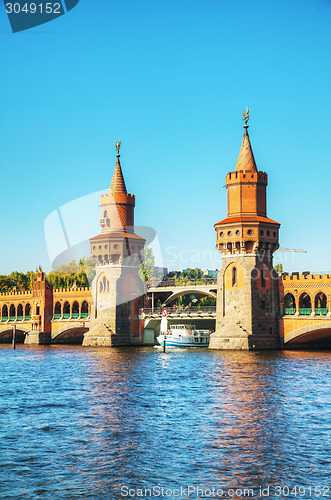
column 147, row 269
column 278, row 268
column 63, row 277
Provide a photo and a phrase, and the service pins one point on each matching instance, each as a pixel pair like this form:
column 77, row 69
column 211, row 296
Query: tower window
column 268, row 233
column 250, row 231
column 105, row 214
column 234, row 276
column 263, row 277
column 261, row 232
column 237, row 232
column 221, row 234
column 229, row 233
column 274, row 234
column 116, row 247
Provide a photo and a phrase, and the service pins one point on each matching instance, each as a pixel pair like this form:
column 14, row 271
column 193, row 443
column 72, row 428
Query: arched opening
column 263, row 277
column 27, row 314
column 38, row 310
column 70, row 336
column 84, row 310
column 289, row 304
column 20, row 312
column 57, row 311
column 105, row 214
column 304, row 304
column 75, row 310
column 4, row 313
column 234, row 276
column 321, row 304
column 66, row 310
column 6, row 336
column 12, row 313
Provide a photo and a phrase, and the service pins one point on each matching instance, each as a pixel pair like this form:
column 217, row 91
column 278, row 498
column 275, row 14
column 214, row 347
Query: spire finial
column 118, row 146
column 246, row 117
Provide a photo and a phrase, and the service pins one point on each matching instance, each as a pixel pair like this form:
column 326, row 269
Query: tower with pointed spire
column 247, row 287
column 118, row 252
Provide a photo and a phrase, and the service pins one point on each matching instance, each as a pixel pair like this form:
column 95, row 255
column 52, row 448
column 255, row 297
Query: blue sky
column 170, row 80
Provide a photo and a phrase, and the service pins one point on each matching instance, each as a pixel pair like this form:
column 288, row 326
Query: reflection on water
column 81, row 423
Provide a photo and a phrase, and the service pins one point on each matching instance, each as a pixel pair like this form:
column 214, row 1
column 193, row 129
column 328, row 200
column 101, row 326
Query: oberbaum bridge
column 255, row 307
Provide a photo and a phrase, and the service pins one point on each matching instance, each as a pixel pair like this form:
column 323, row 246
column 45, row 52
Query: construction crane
column 290, row 250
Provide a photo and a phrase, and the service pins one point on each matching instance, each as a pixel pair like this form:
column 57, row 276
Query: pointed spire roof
column 246, row 159
column 118, row 184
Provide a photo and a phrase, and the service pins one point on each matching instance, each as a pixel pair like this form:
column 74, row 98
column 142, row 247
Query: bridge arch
column 57, row 309
column 75, row 309
column 12, row 311
column 20, row 311
column 289, row 303
column 4, row 312
column 190, row 291
column 6, row 334
column 84, row 310
column 70, row 334
column 319, row 333
column 27, row 311
column 304, row 303
column 66, row 309
column 320, row 301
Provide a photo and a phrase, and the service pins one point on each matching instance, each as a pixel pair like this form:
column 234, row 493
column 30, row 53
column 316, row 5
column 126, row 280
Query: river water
column 81, row 423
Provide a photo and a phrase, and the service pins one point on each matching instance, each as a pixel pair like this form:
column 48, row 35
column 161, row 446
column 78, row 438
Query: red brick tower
column 247, row 297
column 118, row 253
column 41, row 310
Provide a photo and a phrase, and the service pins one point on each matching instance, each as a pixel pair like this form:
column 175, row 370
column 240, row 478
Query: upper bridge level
column 305, row 302
column 58, row 313
column 168, row 291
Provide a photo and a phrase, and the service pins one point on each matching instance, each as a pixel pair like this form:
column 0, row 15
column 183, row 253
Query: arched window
column 321, row 304
column 234, row 276
column 57, row 310
column 304, row 304
column 289, row 304
column 38, row 310
column 5, row 313
column 75, row 310
column 27, row 314
column 66, row 310
column 20, row 312
column 105, row 214
column 263, row 276
column 12, row 312
column 84, row 311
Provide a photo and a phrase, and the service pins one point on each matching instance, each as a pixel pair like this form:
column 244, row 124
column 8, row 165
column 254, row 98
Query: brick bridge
column 305, row 308
column 47, row 315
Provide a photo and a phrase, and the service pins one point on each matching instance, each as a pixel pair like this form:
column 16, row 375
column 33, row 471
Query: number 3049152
column 33, row 8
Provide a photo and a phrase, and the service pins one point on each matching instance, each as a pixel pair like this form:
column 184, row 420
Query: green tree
column 278, row 268
column 147, row 269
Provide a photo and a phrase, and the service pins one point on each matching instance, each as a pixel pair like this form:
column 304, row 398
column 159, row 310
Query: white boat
column 184, row 336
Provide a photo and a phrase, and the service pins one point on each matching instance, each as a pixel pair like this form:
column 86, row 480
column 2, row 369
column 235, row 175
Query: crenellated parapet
column 305, row 294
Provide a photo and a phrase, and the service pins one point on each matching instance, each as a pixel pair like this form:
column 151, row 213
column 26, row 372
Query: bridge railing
column 171, row 283
column 157, row 311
